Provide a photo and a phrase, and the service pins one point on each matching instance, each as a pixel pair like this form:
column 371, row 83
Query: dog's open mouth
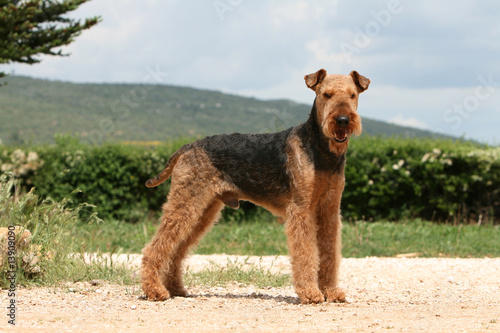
column 341, row 135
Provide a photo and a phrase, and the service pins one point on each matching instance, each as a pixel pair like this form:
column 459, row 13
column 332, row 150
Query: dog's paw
column 335, row 295
column 311, row 297
column 179, row 291
column 156, row 294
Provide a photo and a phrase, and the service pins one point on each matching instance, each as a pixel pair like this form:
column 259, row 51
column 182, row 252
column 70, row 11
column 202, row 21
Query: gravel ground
column 384, row 294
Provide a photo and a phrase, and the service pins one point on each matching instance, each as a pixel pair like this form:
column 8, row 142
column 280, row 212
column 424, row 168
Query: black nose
column 342, row 121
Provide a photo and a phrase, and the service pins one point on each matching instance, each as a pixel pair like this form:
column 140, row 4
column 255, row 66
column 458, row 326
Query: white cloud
column 409, row 122
column 285, row 13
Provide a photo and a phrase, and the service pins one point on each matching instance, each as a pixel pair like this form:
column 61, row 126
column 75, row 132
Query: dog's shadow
column 204, row 296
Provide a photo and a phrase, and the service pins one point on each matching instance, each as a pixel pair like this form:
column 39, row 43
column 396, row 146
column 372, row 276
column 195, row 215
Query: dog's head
column 336, row 105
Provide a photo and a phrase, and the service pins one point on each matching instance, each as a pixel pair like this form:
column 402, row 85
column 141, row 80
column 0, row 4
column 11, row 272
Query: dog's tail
column 167, row 171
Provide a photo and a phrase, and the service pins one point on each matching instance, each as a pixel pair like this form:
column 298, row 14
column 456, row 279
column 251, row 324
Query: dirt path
column 385, row 294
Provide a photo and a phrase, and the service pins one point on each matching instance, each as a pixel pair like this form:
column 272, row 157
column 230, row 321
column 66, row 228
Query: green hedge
column 438, row 180
column 110, row 176
column 385, row 178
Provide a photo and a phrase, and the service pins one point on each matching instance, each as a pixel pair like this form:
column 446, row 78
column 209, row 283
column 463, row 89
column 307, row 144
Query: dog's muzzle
column 341, row 133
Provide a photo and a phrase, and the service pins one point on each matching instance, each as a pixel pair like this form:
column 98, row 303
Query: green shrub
column 110, row 176
column 386, row 178
column 47, row 256
column 439, row 180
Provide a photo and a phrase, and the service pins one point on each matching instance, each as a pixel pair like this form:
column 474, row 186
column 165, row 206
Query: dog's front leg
column 301, row 233
column 330, row 242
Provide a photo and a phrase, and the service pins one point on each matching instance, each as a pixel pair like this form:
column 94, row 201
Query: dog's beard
column 338, row 148
column 338, row 138
column 336, row 133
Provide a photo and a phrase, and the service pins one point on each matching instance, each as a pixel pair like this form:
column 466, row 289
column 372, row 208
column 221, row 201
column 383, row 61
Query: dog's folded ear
column 361, row 82
column 312, row 80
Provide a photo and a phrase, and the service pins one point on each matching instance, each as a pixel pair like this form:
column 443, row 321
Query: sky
column 433, row 64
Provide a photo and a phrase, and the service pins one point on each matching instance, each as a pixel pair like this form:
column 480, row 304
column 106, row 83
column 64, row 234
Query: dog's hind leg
column 172, row 278
column 181, row 225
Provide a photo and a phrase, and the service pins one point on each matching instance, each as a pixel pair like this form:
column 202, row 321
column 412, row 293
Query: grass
column 217, row 275
column 387, row 239
column 113, row 236
column 262, row 235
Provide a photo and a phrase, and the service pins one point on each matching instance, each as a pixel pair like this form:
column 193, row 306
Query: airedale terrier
column 297, row 174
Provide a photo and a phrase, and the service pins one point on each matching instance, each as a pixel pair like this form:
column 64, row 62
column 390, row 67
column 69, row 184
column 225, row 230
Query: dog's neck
column 317, row 147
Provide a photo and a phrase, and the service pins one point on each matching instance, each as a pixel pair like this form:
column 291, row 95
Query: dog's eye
column 327, row 95
column 353, row 95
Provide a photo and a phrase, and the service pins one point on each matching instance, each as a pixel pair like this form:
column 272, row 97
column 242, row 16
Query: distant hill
column 33, row 110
